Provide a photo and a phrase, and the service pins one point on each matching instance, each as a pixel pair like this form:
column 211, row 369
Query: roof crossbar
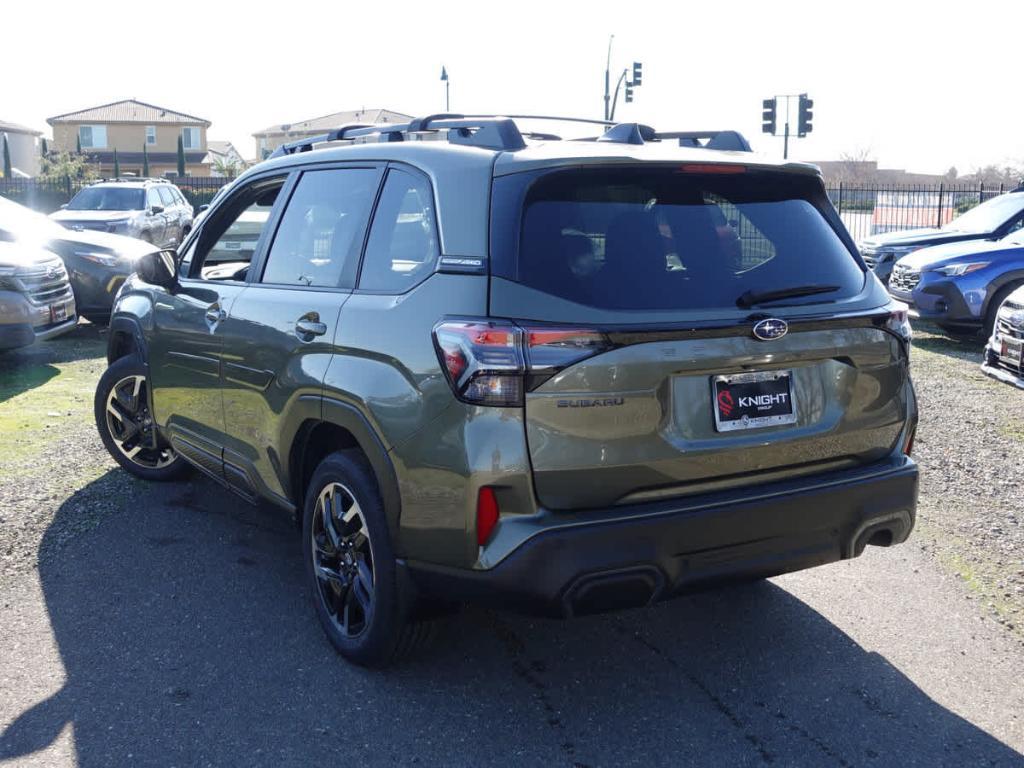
column 500, row 132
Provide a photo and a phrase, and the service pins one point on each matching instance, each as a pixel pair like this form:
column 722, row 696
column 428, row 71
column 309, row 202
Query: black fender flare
column 350, row 418
column 121, row 325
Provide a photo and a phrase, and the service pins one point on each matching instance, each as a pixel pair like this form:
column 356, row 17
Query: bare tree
column 855, row 166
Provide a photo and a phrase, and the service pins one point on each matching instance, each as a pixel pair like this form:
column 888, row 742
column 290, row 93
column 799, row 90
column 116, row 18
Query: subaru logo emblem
column 770, row 329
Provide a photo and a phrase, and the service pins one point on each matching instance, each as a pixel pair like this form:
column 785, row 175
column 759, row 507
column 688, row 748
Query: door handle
column 309, row 326
column 215, row 315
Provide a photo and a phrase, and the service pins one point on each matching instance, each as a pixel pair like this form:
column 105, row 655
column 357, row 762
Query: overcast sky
column 923, row 85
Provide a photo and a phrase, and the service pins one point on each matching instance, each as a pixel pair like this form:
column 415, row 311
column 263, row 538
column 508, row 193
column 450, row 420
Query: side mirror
column 155, row 209
column 159, row 268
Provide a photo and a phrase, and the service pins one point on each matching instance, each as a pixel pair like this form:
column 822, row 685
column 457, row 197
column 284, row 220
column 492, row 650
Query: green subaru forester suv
column 483, row 364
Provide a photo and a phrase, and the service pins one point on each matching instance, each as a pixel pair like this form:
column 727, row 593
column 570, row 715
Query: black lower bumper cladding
column 654, row 551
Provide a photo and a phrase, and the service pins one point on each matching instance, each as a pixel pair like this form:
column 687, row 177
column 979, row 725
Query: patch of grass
column 981, row 578
column 46, row 396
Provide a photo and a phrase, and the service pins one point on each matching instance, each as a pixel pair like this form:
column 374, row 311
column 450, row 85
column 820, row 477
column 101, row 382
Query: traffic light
column 805, row 115
column 638, row 73
column 629, row 93
column 768, row 116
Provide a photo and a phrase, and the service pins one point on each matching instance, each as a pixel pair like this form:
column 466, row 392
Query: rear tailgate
column 639, row 422
column 668, row 265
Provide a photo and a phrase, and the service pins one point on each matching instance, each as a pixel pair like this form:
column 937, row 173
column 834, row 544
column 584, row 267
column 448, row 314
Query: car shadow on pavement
column 187, row 638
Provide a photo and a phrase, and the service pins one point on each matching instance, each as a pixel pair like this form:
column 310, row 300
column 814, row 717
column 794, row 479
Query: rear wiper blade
column 752, row 298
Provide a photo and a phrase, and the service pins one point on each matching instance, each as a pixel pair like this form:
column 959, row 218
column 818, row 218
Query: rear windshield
column 664, row 238
column 108, row 199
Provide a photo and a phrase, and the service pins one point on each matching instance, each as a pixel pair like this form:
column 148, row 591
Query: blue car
column 959, row 286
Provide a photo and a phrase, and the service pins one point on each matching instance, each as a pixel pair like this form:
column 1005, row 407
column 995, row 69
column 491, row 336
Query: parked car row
column 49, row 275
column 965, row 277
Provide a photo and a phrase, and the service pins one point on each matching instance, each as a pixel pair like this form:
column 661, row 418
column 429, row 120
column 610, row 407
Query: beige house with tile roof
column 128, row 126
column 271, row 138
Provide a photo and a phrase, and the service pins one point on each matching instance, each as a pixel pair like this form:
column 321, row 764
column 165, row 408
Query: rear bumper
column 652, row 552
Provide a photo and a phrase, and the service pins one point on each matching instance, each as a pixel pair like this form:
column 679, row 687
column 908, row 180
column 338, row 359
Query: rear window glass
column 656, row 239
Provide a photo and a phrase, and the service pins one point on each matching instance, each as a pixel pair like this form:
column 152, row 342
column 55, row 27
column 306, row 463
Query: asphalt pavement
column 179, row 632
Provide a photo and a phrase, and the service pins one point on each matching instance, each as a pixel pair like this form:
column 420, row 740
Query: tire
column 121, row 408
column 994, row 304
column 350, row 565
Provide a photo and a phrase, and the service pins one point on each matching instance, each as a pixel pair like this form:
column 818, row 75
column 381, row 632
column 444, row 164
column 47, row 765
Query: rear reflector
column 486, row 514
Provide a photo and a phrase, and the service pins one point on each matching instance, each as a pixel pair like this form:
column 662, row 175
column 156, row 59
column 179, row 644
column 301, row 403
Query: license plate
column 1012, row 350
column 752, row 400
column 58, row 313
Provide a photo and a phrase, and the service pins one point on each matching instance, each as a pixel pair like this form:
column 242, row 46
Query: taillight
column 908, row 442
column 491, row 362
column 899, row 321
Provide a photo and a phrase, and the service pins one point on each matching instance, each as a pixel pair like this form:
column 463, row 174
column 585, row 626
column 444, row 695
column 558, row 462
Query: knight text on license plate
column 751, row 400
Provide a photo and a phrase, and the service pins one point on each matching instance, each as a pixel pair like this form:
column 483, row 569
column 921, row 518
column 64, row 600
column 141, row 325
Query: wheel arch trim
column 348, row 417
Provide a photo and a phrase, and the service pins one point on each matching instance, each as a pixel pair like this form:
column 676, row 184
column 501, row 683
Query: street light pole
column 607, row 78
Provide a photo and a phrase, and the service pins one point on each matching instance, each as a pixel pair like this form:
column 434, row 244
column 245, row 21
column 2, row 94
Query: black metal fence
column 866, row 209
column 876, row 209
column 49, row 195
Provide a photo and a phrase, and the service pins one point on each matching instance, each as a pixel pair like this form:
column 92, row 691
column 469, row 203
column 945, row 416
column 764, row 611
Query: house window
column 190, row 138
column 151, row 135
column 92, row 136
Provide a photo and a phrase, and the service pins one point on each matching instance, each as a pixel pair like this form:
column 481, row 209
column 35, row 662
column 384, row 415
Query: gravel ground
column 49, row 449
column 970, row 444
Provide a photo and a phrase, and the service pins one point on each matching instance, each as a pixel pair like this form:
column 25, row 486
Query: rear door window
column 664, row 238
column 322, row 229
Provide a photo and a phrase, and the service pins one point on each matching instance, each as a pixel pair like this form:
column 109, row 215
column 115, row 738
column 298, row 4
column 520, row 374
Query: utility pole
column 607, row 78
column 610, row 99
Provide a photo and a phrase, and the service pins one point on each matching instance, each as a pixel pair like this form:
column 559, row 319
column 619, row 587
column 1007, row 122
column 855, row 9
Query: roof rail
column 125, row 179
column 637, row 133
column 500, row 132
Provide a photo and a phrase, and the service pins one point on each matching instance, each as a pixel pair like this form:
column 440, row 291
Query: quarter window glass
column 402, row 247
column 322, row 228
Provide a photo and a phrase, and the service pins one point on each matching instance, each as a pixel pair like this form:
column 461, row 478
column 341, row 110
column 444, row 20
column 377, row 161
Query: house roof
column 333, row 120
column 220, row 147
column 215, row 149
column 128, row 111
column 6, row 127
